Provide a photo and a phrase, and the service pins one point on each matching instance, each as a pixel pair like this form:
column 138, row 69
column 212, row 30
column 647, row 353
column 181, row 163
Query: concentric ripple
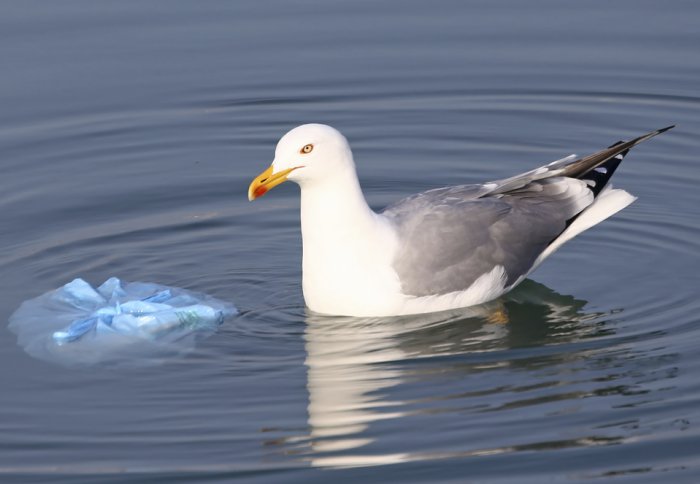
column 588, row 358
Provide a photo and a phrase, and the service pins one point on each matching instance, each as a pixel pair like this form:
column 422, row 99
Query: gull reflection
column 354, row 362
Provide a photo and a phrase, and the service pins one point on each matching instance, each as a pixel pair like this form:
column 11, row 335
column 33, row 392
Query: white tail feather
column 607, row 203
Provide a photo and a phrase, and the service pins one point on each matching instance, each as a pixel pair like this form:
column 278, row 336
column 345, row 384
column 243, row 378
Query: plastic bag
column 79, row 324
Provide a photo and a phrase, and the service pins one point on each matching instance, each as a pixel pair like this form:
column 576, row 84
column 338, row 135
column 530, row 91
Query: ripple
column 159, row 195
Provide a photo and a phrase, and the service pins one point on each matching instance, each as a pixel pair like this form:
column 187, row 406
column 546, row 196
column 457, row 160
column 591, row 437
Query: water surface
column 130, row 131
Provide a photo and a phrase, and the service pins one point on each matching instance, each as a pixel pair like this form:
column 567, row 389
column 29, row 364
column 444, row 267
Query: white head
column 308, row 153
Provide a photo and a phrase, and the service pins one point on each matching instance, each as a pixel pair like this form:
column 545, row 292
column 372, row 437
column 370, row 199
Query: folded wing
column 451, row 236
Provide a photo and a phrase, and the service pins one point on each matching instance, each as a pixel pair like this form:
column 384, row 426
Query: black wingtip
column 647, row 136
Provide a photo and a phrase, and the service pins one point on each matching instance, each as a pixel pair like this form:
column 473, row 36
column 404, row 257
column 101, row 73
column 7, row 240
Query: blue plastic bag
column 79, row 324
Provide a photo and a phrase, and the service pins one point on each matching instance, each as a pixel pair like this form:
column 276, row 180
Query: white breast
column 348, row 252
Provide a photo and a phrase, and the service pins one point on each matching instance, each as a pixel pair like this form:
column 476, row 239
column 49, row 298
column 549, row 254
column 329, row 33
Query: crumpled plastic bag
column 79, row 324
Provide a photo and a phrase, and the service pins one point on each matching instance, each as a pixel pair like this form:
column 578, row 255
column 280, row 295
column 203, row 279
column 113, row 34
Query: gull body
column 441, row 249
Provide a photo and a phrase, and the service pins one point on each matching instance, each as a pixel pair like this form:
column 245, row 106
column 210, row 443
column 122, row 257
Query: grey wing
column 450, row 237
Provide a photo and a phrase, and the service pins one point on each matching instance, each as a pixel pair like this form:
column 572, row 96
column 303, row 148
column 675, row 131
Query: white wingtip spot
column 601, row 169
column 619, row 157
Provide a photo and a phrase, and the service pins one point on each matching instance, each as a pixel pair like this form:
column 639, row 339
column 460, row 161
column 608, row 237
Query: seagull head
column 307, row 154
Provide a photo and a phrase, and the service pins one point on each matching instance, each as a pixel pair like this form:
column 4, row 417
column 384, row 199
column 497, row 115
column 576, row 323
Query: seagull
column 441, row 249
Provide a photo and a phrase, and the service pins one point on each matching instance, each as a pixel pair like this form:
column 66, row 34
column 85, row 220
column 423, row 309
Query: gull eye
column 307, row 149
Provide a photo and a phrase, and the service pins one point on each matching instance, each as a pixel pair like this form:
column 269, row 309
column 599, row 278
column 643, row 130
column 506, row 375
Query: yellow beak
column 266, row 181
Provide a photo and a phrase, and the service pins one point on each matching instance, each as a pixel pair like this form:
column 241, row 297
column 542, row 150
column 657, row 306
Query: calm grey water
column 129, row 132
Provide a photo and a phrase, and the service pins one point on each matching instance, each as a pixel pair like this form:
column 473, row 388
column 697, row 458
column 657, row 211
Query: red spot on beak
column 260, row 191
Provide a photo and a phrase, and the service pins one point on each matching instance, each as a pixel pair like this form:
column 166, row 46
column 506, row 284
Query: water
column 129, row 133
